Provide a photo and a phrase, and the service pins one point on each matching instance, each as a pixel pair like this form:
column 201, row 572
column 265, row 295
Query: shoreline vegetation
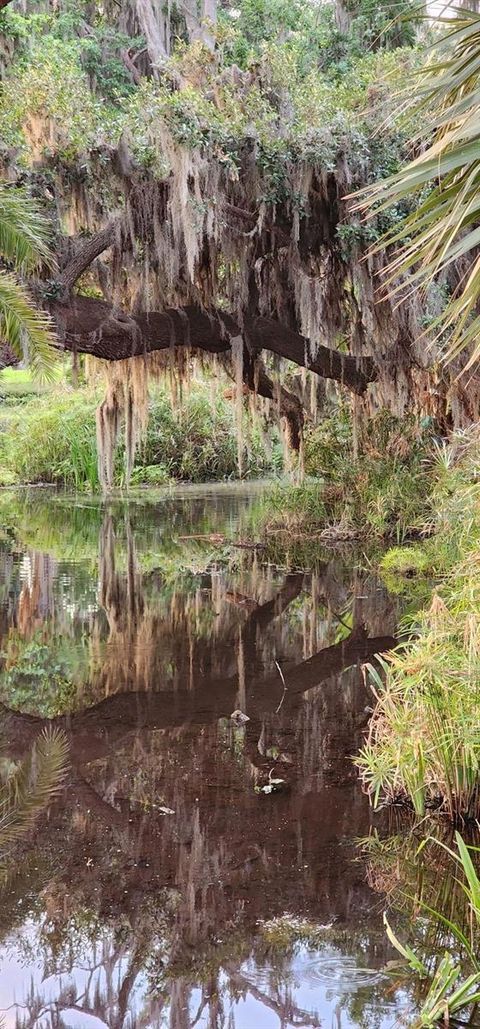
column 408, row 488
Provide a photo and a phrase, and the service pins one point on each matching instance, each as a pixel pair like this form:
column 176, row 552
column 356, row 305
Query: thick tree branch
column 258, row 381
column 91, row 326
column 86, row 252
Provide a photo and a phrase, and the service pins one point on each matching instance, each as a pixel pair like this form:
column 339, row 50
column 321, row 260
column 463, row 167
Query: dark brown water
column 174, row 883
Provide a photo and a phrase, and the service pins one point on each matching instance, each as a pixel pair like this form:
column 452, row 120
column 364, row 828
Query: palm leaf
column 442, row 229
column 24, row 232
column 32, row 786
column 21, row 323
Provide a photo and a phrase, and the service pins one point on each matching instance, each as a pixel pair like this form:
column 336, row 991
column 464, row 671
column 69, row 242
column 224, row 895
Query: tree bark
column 90, row 326
column 153, row 22
column 86, row 252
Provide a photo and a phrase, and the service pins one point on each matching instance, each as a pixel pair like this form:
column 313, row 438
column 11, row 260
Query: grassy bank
column 423, row 747
column 384, row 492
column 51, row 438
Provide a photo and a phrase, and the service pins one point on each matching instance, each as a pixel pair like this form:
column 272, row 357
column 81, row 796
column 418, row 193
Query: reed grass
column 423, row 744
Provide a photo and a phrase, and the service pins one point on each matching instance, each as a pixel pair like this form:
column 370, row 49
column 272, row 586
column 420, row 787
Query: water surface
column 196, row 870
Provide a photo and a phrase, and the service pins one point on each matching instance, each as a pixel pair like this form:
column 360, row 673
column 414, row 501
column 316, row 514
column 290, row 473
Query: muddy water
column 195, row 870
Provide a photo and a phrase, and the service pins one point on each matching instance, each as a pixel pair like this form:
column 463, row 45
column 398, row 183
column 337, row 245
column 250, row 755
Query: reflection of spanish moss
column 36, row 603
column 120, row 593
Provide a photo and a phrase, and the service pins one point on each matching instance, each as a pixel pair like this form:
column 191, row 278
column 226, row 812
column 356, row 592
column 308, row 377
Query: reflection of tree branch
column 135, row 965
column 287, row 1012
column 201, row 1008
column 87, row 797
column 265, row 613
column 262, row 615
column 114, row 997
column 99, row 730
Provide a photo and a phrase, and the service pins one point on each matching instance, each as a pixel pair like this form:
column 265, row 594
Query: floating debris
column 238, row 718
column 273, row 786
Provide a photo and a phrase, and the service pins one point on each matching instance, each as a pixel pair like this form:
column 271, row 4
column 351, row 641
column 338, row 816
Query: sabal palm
column 23, row 245
column 443, row 228
column 32, row 786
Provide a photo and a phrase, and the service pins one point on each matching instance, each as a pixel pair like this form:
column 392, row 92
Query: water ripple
column 340, row 971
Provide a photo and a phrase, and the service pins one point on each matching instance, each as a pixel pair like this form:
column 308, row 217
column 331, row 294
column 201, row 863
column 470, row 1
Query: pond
column 195, row 869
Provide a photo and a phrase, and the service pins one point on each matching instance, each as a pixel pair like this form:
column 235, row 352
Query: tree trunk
column 154, row 23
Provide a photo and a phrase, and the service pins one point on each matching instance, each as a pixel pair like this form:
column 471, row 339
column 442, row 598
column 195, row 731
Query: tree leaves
column 24, row 232
column 24, row 243
column 21, row 323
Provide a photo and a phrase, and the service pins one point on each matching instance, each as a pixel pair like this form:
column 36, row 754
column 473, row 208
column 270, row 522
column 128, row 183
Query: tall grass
column 383, row 492
column 423, row 745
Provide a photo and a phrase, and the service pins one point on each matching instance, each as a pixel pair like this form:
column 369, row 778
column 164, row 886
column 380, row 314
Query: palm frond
column 444, row 182
column 32, row 786
column 24, row 231
column 21, row 323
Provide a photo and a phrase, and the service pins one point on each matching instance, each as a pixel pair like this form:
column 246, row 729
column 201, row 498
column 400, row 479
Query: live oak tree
column 207, row 214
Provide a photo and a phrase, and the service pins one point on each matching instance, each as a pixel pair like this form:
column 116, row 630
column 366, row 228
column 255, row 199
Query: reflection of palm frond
column 19, row 321
column 24, row 232
column 33, row 785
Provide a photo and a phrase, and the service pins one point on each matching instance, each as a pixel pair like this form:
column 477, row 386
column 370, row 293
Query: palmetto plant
column 23, row 246
column 442, row 230
column 31, row 787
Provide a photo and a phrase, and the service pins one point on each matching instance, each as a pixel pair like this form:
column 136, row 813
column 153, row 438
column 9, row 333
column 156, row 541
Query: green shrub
column 52, row 439
column 382, row 493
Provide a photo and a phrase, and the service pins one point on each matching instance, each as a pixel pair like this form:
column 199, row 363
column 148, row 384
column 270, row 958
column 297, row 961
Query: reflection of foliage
column 446, row 996
column 40, row 675
column 32, row 785
column 412, row 876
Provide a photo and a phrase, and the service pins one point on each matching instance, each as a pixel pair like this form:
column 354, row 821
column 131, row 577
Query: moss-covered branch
column 92, row 326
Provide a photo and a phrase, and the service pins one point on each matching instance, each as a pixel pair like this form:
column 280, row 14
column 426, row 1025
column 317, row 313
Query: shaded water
column 173, row 883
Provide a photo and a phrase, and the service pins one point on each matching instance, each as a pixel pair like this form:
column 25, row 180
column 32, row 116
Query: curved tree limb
column 86, row 252
column 91, row 326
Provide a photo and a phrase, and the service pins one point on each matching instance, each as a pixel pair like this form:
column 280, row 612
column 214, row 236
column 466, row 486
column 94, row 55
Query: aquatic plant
column 408, row 571
column 454, row 983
